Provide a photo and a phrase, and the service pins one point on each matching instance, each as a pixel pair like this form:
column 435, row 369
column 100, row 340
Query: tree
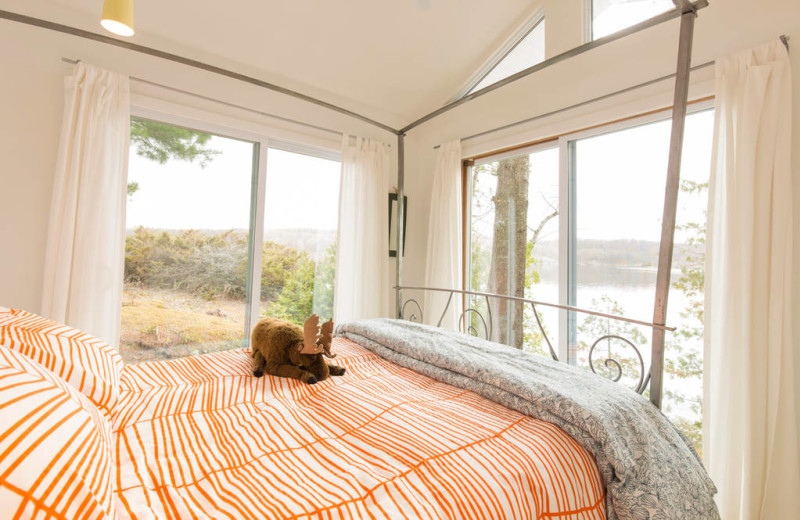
column 683, row 364
column 308, row 289
column 324, row 279
column 296, row 300
column 161, row 142
column 509, row 247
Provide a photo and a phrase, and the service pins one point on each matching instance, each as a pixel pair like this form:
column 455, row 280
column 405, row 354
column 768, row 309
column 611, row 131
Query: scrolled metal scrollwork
column 615, row 365
column 544, row 333
column 469, row 329
column 413, row 317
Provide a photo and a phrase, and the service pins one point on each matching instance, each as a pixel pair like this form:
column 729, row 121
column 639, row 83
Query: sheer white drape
column 750, row 440
column 86, row 235
column 443, row 263
column 362, row 288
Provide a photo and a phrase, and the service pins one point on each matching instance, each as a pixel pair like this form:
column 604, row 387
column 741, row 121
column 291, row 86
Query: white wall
column 31, row 104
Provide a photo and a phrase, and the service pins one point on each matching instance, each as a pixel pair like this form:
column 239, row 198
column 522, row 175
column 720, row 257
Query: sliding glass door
column 577, row 221
column 198, row 203
column 514, row 243
column 300, row 223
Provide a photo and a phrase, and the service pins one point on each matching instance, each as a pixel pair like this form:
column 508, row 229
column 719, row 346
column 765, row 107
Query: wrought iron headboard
column 464, row 326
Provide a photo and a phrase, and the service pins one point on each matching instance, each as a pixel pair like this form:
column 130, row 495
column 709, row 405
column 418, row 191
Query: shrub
column 205, row 263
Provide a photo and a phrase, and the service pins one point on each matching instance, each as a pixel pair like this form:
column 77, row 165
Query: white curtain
column 749, row 428
column 86, row 236
column 362, row 289
column 443, row 263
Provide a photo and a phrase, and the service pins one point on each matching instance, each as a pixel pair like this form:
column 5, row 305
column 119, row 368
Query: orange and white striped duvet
column 200, row 437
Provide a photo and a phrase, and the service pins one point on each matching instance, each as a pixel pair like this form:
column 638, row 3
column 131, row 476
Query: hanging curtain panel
column 443, row 264
column 362, row 288
column 85, row 243
column 750, row 433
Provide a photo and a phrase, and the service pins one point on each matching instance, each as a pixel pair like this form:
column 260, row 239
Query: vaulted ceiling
column 405, row 57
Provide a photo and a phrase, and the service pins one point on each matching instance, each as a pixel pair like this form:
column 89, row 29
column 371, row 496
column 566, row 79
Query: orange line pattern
column 88, row 364
column 201, row 437
column 56, row 458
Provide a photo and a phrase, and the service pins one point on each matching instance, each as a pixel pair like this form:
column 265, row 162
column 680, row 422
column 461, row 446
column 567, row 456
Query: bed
column 84, row 436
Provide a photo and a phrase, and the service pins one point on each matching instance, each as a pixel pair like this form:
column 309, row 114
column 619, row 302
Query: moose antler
column 311, row 336
column 327, row 338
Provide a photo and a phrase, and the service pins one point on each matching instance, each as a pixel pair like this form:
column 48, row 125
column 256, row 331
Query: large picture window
column 194, row 279
column 577, row 221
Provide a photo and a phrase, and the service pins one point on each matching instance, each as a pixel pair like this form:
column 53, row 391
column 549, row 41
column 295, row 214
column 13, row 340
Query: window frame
column 567, row 207
column 504, row 50
column 263, row 138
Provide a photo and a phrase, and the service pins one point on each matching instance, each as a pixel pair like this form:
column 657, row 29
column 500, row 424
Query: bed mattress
column 200, row 437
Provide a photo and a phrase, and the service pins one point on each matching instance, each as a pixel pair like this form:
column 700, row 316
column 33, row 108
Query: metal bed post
column 400, row 221
column 671, row 199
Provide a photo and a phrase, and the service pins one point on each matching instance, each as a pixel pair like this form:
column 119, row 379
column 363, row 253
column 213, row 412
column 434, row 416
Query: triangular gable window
column 527, row 52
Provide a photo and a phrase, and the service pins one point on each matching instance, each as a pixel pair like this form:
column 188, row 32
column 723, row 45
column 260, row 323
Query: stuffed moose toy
column 283, row 349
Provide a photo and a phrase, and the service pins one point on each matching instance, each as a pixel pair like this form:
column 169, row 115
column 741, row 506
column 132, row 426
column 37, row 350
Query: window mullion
column 258, row 196
column 565, row 253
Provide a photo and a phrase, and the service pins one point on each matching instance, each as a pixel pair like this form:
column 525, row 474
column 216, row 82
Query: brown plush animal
column 283, row 349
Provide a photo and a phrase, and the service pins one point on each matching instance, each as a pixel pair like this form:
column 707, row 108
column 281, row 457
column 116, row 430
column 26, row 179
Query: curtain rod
column 45, row 24
column 225, row 103
column 783, row 38
column 15, row 17
column 221, row 102
column 580, row 49
column 578, row 105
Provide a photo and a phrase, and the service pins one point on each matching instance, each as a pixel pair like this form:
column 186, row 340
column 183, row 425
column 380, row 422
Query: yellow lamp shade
column 118, row 17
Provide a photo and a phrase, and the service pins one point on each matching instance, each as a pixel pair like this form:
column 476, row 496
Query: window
column 610, row 16
column 190, row 260
column 514, row 242
column 527, row 52
column 300, row 222
column 596, row 197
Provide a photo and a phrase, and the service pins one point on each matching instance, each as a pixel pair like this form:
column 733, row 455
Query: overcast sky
column 302, row 191
column 620, row 180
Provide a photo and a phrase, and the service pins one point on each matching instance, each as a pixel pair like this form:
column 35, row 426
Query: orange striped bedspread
column 200, row 437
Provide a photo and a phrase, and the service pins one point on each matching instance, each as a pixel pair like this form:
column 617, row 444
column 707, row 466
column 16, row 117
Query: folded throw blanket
column 651, row 471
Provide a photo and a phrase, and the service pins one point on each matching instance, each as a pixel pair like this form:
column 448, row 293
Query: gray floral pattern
column 651, row 471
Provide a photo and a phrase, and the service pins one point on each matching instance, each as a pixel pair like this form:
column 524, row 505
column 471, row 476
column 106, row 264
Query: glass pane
column 610, row 16
column 683, row 375
column 300, row 222
column 619, row 199
column 527, row 53
column 514, row 247
column 188, row 216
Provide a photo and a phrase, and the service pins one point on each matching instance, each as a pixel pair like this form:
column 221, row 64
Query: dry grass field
column 160, row 324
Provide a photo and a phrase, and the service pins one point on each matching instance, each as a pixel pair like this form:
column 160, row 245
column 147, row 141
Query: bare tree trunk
column 509, row 244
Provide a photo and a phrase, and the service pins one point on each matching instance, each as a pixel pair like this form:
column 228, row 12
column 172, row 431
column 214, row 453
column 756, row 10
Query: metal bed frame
column 684, row 9
column 417, row 314
column 687, row 11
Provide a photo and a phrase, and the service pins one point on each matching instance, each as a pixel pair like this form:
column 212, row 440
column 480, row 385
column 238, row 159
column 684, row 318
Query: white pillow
column 56, row 455
column 85, row 362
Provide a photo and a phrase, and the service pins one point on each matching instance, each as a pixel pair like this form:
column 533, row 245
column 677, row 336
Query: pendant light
column 118, row 17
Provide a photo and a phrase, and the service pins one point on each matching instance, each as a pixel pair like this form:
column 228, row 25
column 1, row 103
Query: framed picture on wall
column 393, row 224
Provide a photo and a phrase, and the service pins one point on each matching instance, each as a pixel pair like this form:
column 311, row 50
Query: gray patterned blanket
column 650, row 469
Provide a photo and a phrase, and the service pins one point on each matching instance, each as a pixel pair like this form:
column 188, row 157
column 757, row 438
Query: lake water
column 633, row 289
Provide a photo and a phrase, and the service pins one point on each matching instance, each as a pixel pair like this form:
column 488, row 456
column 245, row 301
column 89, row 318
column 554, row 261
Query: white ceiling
column 405, row 57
